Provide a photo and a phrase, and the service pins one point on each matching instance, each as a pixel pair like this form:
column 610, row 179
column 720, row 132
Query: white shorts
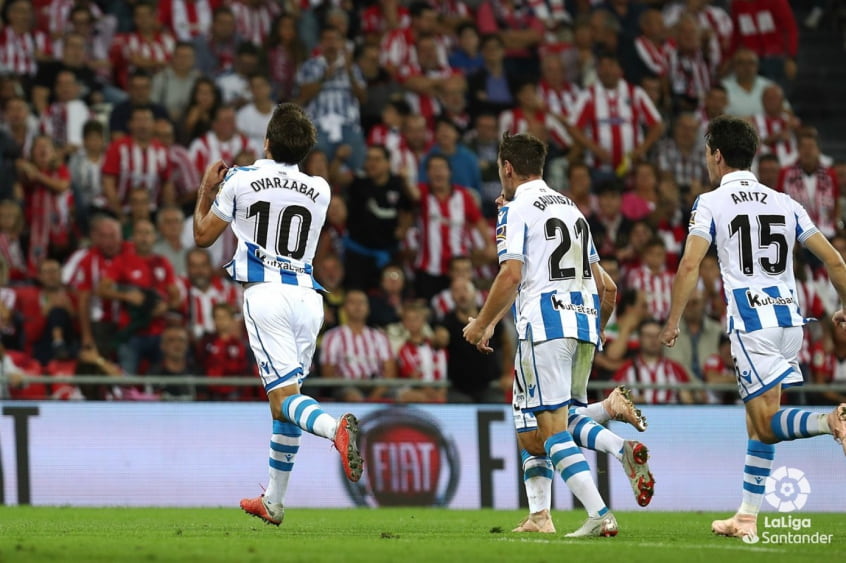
column 548, row 372
column 766, row 358
column 282, row 322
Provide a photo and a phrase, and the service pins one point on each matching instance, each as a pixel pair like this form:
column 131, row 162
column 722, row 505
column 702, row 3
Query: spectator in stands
column 205, row 99
column 474, row 378
column 183, row 174
column 11, row 243
column 812, row 184
column 579, row 188
column 86, row 167
column 90, row 362
column 22, row 127
column 462, row 162
column 354, row 351
column 187, row 19
column 776, row 126
column 443, row 303
column 399, row 47
column 490, row 86
column 769, row 169
column 382, row 18
column 332, row 89
column 608, row 226
column 253, row 18
column 222, row 142
column 223, row 353
column 441, row 201
column 329, row 271
column 650, row 366
column 418, row 138
column 86, row 20
column 73, row 60
column 83, row 272
column 621, row 340
column 452, row 98
column 171, row 86
column 716, row 102
column 216, row 49
column 11, row 319
column 381, row 87
column 48, row 204
column 49, row 312
column 465, row 56
column 252, row 119
column 135, row 161
column 285, row 52
column 386, row 300
column 557, row 94
column 829, row 366
column 169, row 221
column 719, row 370
column 64, row 119
column 531, row 116
column 640, row 201
column 521, row 32
column 745, row 86
column 483, row 141
column 234, row 85
column 699, row 338
column 768, row 28
column 691, row 68
column 648, row 53
column 380, row 213
column 139, row 209
column 176, row 360
column 334, row 233
column 202, row 289
column 680, row 155
column 425, row 80
column 653, row 278
column 146, row 49
column 145, row 285
column 420, row 359
column 140, row 91
column 22, row 46
column 613, row 96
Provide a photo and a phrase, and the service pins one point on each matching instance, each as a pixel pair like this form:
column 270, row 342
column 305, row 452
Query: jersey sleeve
column 224, row 203
column 510, row 235
column 805, row 227
column 702, row 221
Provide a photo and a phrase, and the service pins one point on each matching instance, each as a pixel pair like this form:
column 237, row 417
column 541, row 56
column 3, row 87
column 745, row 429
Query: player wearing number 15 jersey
column 277, row 213
column 755, row 230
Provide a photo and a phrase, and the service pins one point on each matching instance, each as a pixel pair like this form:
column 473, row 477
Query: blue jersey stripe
column 782, row 312
column 582, row 323
column 751, row 320
column 255, row 267
column 551, row 318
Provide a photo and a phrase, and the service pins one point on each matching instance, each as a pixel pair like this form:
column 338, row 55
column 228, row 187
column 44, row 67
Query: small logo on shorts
column 531, row 390
column 265, row 367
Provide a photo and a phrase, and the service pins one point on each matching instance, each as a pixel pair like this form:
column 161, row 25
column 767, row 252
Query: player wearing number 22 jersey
column 277, row 213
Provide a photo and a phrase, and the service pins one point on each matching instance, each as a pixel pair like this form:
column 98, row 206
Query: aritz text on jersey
column 564, row 306
column 748, row 197
column 542, row 201
column 756, row 300
column 287, row 183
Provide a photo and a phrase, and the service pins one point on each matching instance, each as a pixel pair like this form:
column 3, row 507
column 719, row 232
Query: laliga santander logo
column 408, row 461
column 787, row 489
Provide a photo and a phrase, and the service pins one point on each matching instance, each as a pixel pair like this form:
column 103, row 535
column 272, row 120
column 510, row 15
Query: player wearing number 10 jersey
column 755, row 230
column 277, row 213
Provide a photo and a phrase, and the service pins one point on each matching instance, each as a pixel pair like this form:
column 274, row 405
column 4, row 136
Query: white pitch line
column 742, row 547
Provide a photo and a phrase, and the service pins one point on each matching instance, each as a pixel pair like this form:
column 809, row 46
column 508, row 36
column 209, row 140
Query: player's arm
column 208, row 225
column 683, row 285
column 501, row 296
column 836, row 267
column 607, row 290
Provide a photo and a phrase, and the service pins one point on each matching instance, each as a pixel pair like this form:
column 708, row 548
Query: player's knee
column 763, row 431
column 276, row 410
column 532, row 442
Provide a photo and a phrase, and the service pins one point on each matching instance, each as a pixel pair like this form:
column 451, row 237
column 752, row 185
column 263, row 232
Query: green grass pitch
column 34, row 534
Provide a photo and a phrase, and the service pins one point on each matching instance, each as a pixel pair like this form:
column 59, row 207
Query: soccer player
column 755, row 230
column 277, row 222
column 549, row 270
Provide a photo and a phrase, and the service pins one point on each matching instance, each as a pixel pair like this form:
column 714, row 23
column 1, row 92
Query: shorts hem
column 287, row 379
column 541, row 408
column 772, row 384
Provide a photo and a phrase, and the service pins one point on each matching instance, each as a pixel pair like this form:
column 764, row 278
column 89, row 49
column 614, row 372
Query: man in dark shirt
column 140, row 91
column 379, row 213
column 73, row 59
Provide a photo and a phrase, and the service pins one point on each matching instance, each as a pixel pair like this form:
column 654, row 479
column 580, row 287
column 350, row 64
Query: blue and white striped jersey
column 547, row 233
column 755, row 230
column 335, row 105
column 276, row 213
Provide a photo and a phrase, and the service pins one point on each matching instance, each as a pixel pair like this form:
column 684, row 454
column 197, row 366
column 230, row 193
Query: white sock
column 596, row 411
column 588, row 434
column 537, row 478
column 568, row 460
column 284, row 444
column 306, row 413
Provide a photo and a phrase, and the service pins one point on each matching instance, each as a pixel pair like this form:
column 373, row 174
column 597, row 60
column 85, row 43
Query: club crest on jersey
column 500, row 233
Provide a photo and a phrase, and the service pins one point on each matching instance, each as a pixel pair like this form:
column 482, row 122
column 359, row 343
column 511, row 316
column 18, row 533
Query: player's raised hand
column 669, row 335
column 214, row 175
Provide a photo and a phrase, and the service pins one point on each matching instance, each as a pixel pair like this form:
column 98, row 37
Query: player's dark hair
column 525, row 152
column 736, row 140
column 290, row 134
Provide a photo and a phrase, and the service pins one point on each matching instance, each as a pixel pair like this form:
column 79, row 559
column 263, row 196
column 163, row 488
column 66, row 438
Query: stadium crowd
column 112, row 110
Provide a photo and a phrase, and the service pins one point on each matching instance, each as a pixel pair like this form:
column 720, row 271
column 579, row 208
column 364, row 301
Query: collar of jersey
column 282, row 165
column 737, row 176
column 530, row 185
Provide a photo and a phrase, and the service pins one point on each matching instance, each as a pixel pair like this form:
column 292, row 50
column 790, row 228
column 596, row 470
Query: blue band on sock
column 537, row 471
column 603, row 511
column 758, row 471
column 298, row 412
column 760, row 449
column 524, row 455
column 560, row 455
column 283, row 448
column 572, row 470
column 577, row 431
column 280, row 465
column 756, row 489
column 592, row 436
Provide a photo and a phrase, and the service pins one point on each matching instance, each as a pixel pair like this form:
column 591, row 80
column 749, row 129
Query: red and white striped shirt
column 424, row 104
column 159, row 49
column 444, row 226
column 710, row 18
column 399, row 50
column 443, row 302
column 810, row 306
column 63, row 122
column 560, row 101
column 664, row 371
column 690, row 75
column 355, row 355
column 187, row 19
column 253, row 22
column 787, row 151
column 18, row 51
column 816, row 192
column 54, row 16
column 373, row 20
column 655, row 57
column 208, row 148
column 616, row 117
column 84, row 270
column 422, row 362
column 137, row 167
column 49, row 216
column 183, row 174
column 515, row 121
column 198, row 303
column 657, row 287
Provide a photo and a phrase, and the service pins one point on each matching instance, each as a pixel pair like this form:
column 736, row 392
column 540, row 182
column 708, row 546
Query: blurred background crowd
column 111, row 110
